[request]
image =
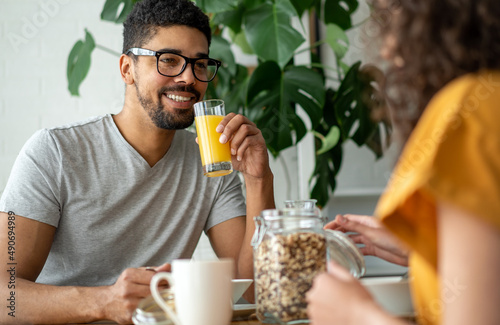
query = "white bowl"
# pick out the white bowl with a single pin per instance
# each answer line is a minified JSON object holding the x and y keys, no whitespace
{"x":392,"y":293}
{"x":239,"y":288}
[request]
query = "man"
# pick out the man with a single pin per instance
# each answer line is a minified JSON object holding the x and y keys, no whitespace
{"x":92,"y":204}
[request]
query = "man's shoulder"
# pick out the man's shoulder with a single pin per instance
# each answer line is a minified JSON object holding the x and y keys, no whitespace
{"x":53,"y":138}
{"x":89,"y":123}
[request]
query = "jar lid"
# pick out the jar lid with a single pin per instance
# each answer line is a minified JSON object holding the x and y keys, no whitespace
{"x":344,"y":251}
{"x":271,"y":213}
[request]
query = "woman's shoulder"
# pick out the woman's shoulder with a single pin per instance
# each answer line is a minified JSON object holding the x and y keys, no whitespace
{"x":469,"y":92}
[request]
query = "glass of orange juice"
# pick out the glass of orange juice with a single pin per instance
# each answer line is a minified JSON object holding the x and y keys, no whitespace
{"x":215,"y":156}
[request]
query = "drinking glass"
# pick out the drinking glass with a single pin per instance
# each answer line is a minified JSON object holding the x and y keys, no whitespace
{"x":215,"y":156}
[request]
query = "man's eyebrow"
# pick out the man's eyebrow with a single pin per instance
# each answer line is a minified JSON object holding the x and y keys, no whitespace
{"x":176,"y":51}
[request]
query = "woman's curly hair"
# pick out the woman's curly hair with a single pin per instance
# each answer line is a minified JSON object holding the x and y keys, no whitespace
{"x":430,"y":43}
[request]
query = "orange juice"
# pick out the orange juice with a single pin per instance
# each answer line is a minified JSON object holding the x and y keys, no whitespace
{"x":215,"y":156}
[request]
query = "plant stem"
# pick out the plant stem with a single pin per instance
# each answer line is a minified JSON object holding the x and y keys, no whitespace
{"x":308,"y":49}
{"x":287,"y":176}
{"x":319,"y":65}
{"x":105,"y":49}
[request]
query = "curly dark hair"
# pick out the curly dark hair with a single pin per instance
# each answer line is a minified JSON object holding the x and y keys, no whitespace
{"x":147,"y":15}
{"x":432,"y":42}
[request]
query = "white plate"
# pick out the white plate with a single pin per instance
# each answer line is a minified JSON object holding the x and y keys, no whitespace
{"x":243,"y":310}
{"x":239,"y":288}
{"x":392,"y":293}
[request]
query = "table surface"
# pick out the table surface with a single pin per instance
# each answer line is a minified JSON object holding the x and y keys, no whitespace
{"x":246,"y":322}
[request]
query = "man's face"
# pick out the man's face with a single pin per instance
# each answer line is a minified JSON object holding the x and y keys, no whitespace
{"x":169,"y":100}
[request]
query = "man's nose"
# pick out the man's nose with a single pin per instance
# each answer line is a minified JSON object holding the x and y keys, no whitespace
{"x":187,"y":76}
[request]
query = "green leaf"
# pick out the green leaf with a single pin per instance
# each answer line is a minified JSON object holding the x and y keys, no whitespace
{"x":272,"y":97}
{"x":339,"y":12}
{"x":252,"y":4}
{"x":232,"y":18}
{"x":241,"y":41}
{"x":231,"y":80}
{"x":323,"y":180}
{"x":353,"y":102}
{"x":346,"y":100}
{"x":302,"y":5}
{"x":111,"y":11}
{"x":79,"y":63}
{"x":220,"y":49}
{"x":328,"y":142}
{"x":338,"y":40}
{"x":231,"y":88}
{"x":215,"y":6}
{"x":306,"y":88}
{"x":270,"y":33}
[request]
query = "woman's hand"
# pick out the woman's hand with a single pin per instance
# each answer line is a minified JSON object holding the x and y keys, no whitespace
{"x":338,"y":298}
{"x":377,"y":240}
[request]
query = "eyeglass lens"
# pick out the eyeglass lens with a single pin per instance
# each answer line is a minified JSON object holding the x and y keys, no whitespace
{"x":170,"y":64}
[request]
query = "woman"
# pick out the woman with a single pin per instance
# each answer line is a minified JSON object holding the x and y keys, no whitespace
{"x":443,"y":200}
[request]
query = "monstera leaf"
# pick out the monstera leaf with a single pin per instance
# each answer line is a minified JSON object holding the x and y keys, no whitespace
{"x":302,"y":5}
{"x":347,"y":115}
{"x":79,"y":63}
{"x":216,"y":6}
{"x":111,"y":11}
{"x":338,"y":40}
{"x":271,"y":98}
{"x":339,"y":12}
{"x":270,"y":33}
{"x":231,"y":80}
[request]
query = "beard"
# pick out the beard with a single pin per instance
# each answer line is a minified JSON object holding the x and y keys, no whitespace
{"x":181,"y":119}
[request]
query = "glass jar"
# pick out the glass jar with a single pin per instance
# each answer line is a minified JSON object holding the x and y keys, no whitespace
{"x":308,"y":204}
{"x":290,"y":249}
{"x":301,"y":204}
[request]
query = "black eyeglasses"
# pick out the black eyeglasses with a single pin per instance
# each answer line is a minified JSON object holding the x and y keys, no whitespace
{"x":171,"y":64}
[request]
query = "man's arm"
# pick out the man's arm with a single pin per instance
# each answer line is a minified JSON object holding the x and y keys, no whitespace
{"x":31,"y":302}
{"x":249,"y":156}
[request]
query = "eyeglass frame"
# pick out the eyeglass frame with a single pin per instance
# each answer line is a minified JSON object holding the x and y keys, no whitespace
{"x":137,"y":51}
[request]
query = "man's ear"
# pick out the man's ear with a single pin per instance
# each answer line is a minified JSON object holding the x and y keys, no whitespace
{"x":126,"y":69}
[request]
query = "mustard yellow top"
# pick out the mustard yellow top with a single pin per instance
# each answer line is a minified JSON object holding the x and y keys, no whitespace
{"x":452,"y":156}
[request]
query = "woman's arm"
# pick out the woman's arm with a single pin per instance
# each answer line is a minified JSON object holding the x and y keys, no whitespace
{"x":469,"y":268}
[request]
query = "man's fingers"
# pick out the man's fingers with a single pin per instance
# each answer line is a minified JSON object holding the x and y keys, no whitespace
{"x":167,"y":267}
{"x":233,"y":124}
{"x":141,"y":276}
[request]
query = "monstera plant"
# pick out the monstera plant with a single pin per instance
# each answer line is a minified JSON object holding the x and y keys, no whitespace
{"x":272,"y":92}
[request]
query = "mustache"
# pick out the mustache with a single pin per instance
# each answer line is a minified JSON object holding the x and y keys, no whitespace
{"x":187,"y":89}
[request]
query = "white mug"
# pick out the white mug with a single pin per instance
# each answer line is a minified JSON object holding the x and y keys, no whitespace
{"x":202,"y":292}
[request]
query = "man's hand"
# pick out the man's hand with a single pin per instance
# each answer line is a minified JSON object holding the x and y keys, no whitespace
{"x":248,"y":147}
{"x":121,"y":299}
{"x":377,"y":240}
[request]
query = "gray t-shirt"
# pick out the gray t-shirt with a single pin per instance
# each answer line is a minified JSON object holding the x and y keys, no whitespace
{"x":111,"y":209}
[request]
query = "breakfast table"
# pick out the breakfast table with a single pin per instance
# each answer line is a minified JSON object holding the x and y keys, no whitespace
{"x":251,"y":321}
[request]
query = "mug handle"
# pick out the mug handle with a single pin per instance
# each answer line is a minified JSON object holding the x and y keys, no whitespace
{"x":157,"y":297}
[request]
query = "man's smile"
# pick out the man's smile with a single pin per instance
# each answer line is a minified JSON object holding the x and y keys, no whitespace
{"x":178,"y":98}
